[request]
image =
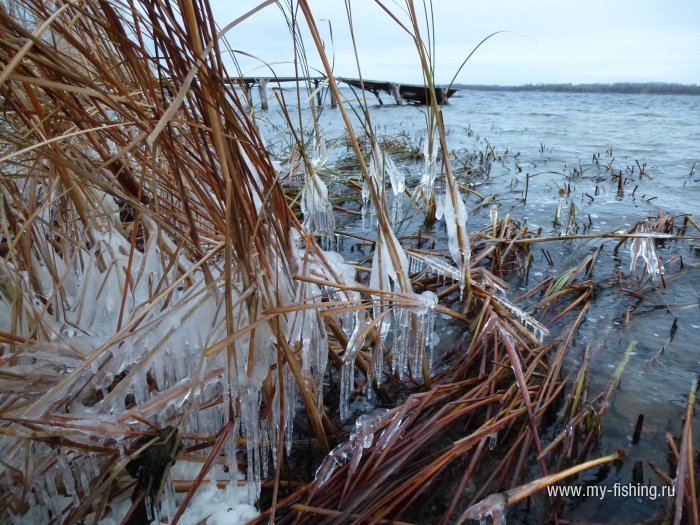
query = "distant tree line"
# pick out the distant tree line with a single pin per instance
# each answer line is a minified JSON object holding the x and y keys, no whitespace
{"x":626,"y":88}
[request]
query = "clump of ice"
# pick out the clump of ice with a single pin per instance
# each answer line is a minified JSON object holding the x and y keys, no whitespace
{"x":413,"y":336}
{"x":381,"y":167}
{"x":361,"y":437}
{"x":429,"y":172}
{"x":317,"y":209}
{"x":442,"y":269}
{"x":214,"y":506}
{"x":458,"y":240}
{"x":644,"y":246}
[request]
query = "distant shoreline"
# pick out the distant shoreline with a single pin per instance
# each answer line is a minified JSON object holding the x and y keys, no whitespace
{"x":622,"y":88}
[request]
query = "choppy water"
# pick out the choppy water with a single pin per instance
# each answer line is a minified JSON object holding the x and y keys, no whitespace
{"x":543,"y":137}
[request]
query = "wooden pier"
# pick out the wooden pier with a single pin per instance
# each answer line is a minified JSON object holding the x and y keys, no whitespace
{"x":402,"y":93}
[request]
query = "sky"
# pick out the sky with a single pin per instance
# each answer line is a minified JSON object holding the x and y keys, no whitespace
{"x":545,"y":41}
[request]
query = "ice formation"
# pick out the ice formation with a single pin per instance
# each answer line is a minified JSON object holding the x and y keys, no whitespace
{"x":361,"y":437}
{"x":489,"y":510}
{"x":317,"y":209}
{"x":413,"y":336}
{"x":320,"y":153}
{"x":429,"y":171}
{"x":568,"y":227}
{"x":442,"y":269}
{"x":458,"y":240}
{"x":157,"y":346}
{"x":381,"y":167}
{"x":644,"y":246}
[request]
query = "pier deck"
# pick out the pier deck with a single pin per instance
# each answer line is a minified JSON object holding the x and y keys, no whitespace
{"x":402,"y":93}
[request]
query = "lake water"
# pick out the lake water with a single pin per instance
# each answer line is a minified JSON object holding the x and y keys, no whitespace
{"x":578,"y":141}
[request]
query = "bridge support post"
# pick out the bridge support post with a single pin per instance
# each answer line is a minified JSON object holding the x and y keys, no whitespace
{"x":262,"y":89}
{"x":395,"y":90}
{"x":245,"y":88}
{"x":319,"y":99}
{"x":334,"y":102}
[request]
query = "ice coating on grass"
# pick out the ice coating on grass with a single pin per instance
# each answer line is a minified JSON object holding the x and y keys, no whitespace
{"x":525,"y":319}
{"x":489,"y":510}
{"x":387,"y":277}
{"x":458,"y":240}
{"x":387,"y":435}
{"x":429,"y":171}
{"x":382,"y":166}
{"x":413,"y":336}
{"x":355,"y":342}
{"x":569,"y":228}
{"x":397,"y":177}
{"x":316,"y":208}
{"x":336,"y":457}
{"x":347,"y":386}
{"x":439,"y":206}
{"x":559,"y":210}
{"x":361,"y":437}
{"x":443,"y":269}
{"x":645,"y":247}
{"x":156,"y":363}
{"x":384,"y":272}
{"x":320,"y":153}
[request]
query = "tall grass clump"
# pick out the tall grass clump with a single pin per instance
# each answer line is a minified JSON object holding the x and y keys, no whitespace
{"x":168,"y":298}
{"x":153,"y":271}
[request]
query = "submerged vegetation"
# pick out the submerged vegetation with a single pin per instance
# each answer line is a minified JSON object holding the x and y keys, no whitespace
{"x":180,"y":320}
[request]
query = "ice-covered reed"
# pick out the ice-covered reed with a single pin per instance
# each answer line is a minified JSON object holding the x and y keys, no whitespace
{"x":151,"y":276}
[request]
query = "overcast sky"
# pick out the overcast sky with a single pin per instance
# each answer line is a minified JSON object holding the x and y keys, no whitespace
{"x":574,"y":41}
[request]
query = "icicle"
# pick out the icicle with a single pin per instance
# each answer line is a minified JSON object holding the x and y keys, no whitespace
{"x":68,"y":479}
{"x":427,"y":326}
{"x":396,"y":210}
{"x":347,"y":385}
{"x":231,"y":461}
{"x":355,"y":343}
{"x":571,"y":220}
{"x":52,"y":491}
{"x":384,"y":273}
{"x":458,"y":240}
{"x":250,"y":406}
{"x":317,"y":209}
{"x":400,"y":348}
{"x":439,"y":206}
{"x":559,"y":210}
{"x":428,"y":177}
{"x":378,"y":360}
{"x":644,"y":246}
{"x":364,"y":213}
{"x":435,"y":266}
{"x":397,"y":178}
{"x":290,"y":395}
{"x":529,"y":322}
{"x":168,"y":504}
{"x":320,"y":153}
{"x":84,"y":481}
{"x":93,"y":462}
